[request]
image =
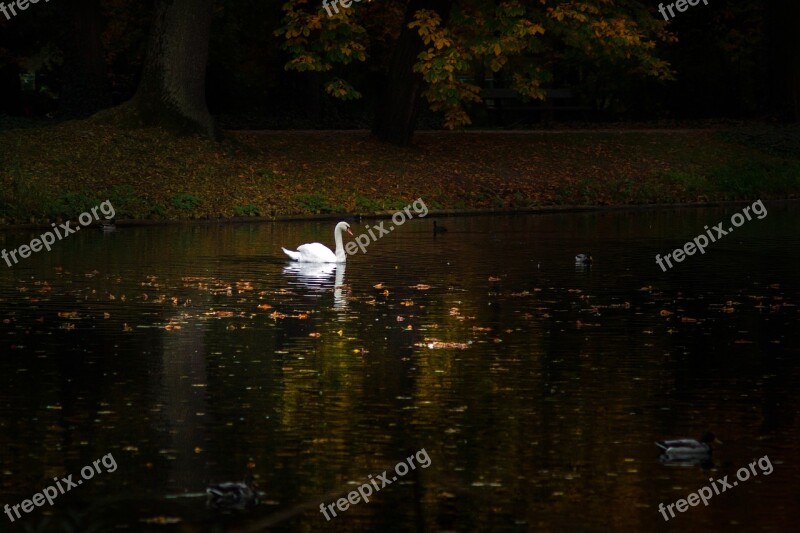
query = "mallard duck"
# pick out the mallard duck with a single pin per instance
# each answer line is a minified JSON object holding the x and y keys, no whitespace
{"x":233,"y":495}
{"x":583,"y":259}
{"x":438,"y":229}
{"x":108,"y":225}
{"x":688,"y":449}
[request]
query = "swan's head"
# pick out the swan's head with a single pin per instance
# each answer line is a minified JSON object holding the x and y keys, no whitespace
{"x":343,"y":226}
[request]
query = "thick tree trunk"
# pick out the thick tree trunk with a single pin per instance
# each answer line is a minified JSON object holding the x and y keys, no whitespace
{"x":399,"y":105}
{"x":84,"y":89}
{"x":782,"y":60}
{"x":172,"y":91}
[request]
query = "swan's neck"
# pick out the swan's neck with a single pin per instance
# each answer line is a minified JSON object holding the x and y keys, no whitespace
{"x":337,"y":237}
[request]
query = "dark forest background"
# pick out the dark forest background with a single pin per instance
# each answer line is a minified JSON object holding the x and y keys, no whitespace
{"x":729,"y":60}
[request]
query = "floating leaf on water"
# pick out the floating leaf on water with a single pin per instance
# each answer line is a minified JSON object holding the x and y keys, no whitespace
{"x":378,"y":286}
{"x":434,"y":344}
{"x":494,"y":278}
{"x":315,"y":334}
{"x":664,"y":312}
{"x":162,"y":520}
{"x":265,"y":306}
{"x":420,"y":287}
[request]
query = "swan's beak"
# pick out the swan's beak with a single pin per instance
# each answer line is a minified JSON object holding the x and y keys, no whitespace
{"x":350,"y":232}
{"x":717,"y":441}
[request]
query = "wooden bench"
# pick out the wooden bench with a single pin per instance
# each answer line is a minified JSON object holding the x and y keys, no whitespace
{"x":500,"y":101}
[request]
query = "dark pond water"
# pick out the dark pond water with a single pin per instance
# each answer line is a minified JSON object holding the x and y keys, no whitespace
{"x":536,"y":388}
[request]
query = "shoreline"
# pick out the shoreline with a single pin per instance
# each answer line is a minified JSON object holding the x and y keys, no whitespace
{"x":153,"y":177}
{"x":441,"y":213}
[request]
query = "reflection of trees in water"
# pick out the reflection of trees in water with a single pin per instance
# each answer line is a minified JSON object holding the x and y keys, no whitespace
{"x":184,"y":408}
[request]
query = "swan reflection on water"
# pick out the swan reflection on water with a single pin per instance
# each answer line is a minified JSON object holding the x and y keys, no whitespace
{"x":319,"y":276}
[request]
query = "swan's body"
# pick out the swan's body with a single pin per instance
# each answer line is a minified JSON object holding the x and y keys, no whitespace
{"x":319,"y":253}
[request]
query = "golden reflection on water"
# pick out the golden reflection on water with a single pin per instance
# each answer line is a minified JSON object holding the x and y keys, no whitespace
{"x":197,"y":354}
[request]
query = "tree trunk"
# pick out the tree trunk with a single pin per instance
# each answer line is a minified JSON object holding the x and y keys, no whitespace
{"x":399,"y":105}
{"x":782,"y":60}
{"x":172,"y":92}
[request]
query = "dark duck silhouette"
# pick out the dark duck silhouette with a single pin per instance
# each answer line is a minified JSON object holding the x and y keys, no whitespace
{"x":233,"y":495}
{"x":437,"y":229}
{"x":688,"y":450}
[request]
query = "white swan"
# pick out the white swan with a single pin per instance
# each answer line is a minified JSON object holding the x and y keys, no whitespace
{"x":319,"y":253}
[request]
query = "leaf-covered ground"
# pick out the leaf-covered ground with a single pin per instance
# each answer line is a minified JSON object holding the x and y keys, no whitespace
{"x":59,"y":171}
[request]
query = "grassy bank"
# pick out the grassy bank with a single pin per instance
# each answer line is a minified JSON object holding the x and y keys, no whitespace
{"x":59,"y":171}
